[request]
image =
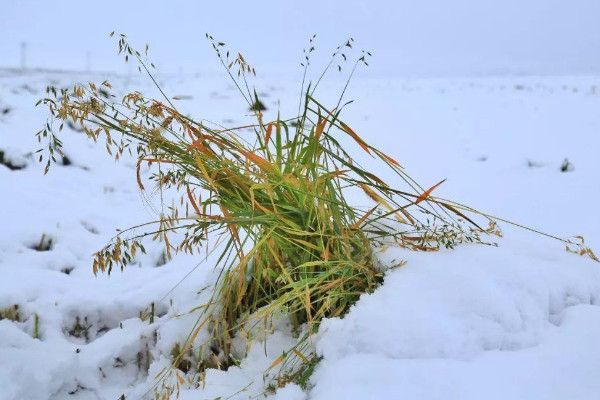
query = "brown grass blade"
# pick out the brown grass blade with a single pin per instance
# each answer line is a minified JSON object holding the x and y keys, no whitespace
{"x":363,"y":218}
{"x":354,"y":136}
{"x":428,"y":192}
{"x":192,"y":201}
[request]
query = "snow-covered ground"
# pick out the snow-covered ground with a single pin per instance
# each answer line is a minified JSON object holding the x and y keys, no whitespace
{"x":517,"y":321}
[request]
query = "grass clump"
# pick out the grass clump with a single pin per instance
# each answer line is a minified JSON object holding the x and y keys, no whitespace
{"x":11,"y":313}
{"x":81,"y":329}
{"x":276,"y":200}
{"x":45,"y":243}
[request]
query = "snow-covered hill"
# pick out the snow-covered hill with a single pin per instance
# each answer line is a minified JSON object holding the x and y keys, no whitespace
{"x":517,"y":321}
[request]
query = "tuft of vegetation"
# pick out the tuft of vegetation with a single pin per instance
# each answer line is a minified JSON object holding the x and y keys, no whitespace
{"x":45,"y":244}
{"x":36,"y":326}
{"x":67,"y":270}
{"x":11,"y":313}
{"x":566,"y":166}
{"x":183,"y":362}
{"x":143,"y":358}
{"x":81,"y":329}
{"x":148,"y":314}
{"x":66,"y":161}
{"x":275,"y":201}
{"x":162,"y":259}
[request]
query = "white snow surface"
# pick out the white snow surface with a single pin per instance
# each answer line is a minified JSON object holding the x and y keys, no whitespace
{"x":517,"y":321}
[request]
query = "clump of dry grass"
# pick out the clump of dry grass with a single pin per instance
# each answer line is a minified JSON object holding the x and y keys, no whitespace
{"x":277,"y":202}
{"x":11,"y":313}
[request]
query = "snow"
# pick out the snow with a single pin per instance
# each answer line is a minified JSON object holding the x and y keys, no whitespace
{"x":517,"y":321}
{"x":469,"y":325}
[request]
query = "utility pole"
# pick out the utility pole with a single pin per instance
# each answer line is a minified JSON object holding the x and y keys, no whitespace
{"x":23,"y":56}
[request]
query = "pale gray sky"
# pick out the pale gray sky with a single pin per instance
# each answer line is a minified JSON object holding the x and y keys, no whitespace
{"x":405,"y":36}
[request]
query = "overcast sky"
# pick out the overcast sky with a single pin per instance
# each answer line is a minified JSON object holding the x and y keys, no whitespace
{"x":423,"y":37}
